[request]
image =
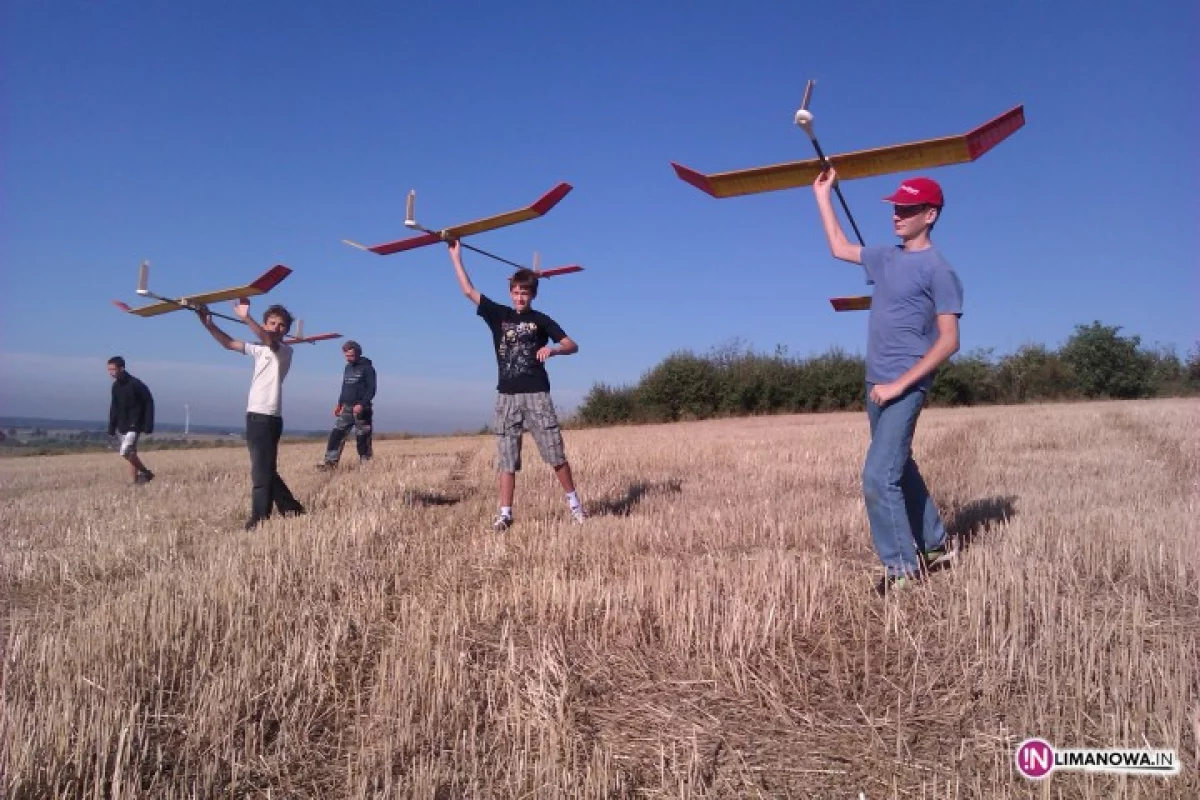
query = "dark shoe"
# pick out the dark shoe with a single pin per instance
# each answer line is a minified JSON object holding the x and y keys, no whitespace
{"x":252,"y":523}
{"x":327,"y":466}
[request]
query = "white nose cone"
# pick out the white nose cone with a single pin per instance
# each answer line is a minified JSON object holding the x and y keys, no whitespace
{"x":804,"y":118}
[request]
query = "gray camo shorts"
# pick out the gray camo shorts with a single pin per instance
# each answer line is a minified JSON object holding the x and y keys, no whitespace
{"x":533,"y":412}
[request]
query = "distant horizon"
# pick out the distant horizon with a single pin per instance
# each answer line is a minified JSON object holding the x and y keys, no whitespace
{"x":468,"y":408}
{"x":55,"y":423}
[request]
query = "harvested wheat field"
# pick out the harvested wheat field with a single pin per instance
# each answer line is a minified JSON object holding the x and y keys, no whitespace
{"x":710,"y":632}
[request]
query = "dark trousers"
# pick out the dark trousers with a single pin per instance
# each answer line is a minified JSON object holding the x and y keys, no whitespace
{"x":341,"y":429}
{"x":262,"y":437}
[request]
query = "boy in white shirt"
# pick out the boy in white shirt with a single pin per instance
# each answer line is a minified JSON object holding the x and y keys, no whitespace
{"x":264,"y":411}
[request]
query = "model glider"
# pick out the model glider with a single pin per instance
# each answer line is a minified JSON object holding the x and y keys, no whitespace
{"x":195,"y":302}
{"x":925,"y":154}
{"x":919,"y":155}
{"x":428,"y":236}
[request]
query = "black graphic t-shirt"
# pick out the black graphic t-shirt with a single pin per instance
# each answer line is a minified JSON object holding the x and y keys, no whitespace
{"x":517,"y":338}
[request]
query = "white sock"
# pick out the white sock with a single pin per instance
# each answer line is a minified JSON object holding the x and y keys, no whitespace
{"x":573,"y":499}
{"x":506,"y":512}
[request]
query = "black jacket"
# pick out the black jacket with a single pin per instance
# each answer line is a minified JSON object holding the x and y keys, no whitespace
{"x":358,"y":383}
{"x":132,"y":407}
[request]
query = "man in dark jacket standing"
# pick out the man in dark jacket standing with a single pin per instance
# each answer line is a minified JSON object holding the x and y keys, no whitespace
{"x":130,"y":414}
{"x":353,"y":408}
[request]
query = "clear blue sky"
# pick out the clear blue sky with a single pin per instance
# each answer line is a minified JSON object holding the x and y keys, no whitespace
{"x":216,"y":139}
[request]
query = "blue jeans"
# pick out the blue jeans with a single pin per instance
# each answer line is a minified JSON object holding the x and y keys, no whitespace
{"x":903,"y":516}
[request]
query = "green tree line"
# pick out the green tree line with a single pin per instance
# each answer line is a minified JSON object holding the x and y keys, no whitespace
{"x":1096,"y":361}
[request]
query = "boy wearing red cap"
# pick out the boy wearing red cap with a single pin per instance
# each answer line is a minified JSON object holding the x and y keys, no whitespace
{"x":912,"y":330}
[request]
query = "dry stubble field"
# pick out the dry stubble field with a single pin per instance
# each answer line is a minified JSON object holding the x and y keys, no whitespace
{"x":711,"y":632}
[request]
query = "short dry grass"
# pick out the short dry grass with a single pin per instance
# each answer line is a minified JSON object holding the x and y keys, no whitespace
{"x":710,"y":632}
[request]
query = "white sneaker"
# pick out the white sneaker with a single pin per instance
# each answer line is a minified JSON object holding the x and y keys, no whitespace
{"x":579,"y":514}
{"x":501,"y":523}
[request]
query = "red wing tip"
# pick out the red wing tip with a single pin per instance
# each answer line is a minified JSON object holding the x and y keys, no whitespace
{"x":995,"y":131}
{"x":697,"y":179}
{"x":123,"y":306}
{"x":1014,"y":117}
{"x":271,"y":278}
{"x":1015,"y":111}
{"x":550,"y":199}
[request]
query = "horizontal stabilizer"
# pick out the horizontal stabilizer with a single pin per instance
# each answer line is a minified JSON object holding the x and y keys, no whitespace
{"x":862,"y":303}
{"x":316,"y":337}
{"x":550,"y":273}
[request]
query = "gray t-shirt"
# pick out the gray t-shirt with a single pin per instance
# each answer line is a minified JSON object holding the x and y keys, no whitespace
{"x":911,"y":289}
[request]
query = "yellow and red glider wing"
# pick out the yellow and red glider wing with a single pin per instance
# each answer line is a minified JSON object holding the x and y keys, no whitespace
{"x":152,"y":310}
{"x":543,"y":204}
{"x":924,"y":154}
{"x":398,"y":246}
{"x":752,"y":181}
{"x":862,"y":303}
{"x":537,"y":209}
{"x":263,"y":284}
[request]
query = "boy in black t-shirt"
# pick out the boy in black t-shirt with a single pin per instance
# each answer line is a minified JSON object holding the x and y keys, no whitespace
{"x":521,"y":336}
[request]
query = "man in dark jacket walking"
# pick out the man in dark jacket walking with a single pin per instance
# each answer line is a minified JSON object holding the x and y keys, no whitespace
{"x":130,"y":414}
{"x":353,"y":408}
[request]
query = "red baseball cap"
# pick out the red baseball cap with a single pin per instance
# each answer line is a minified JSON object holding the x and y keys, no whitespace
{"x":917,"y":192}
